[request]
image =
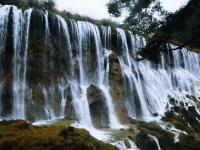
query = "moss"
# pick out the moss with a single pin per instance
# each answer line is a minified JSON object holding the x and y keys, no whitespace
{"x":49,"y":138}
{"x":182,"y":118}
{"x":165,"y":138}
{"x":144,"y":142}
{"x":178,"y":122}
{"x":189,"y":142}
{"x":123,"y":135}
{"x":66,"y":122}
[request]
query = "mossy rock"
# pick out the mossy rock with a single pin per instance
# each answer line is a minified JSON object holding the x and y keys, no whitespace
{"x":189,"y":142}
{"x":53,"y":137}
{"x":165,"y":138}
{"x":181,"y":118}
{"x":98,"y":107}
{"x":144,"y":142}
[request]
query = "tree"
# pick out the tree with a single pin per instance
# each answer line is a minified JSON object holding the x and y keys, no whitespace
{"x":40,"y":4}
{"x":49,"y":4}
{"x":145,"y":16}
{"x":181,"y":28}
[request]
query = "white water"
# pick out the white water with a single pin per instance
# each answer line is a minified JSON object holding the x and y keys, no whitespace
{"x":154,"y":85}
{"x":122,"y":146}
{"x":156,"y":140}
{"x":63,"y":25}
{"x":48,"y":108}
{"x":99,"y":77}
{"x":62,"y":89}
{"x":21,"y":36}
{"x":133,"y":84}
{"x":147,"y":87}
{"x":173,"y":130}
{"x":4,"y":11}
{"x":104,"y":84}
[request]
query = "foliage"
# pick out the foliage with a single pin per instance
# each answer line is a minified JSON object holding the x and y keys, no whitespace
{"x":50,"y":6}
{"x":68,"y":15}
{"x":149,"y":19}
{"x":144,"y":16}
{"x":40,"y":4}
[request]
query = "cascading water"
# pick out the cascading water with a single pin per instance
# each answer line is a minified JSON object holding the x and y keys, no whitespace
{"x":74,"y":56}
{"x":104,"y":83}
{"x":143,"y":80}
{"x":3,"y":27}
{"x":4,"y":11}
{"x":136,"y":102}
{"x":99,"y":77}
{"x":21,"y":36}
{"x":157,"y":143}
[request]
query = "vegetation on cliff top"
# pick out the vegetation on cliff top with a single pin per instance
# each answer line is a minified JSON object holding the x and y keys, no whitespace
{"x":50,"y":6}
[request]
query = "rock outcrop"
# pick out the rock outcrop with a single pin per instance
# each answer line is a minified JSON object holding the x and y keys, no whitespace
{"x":98,"y":107}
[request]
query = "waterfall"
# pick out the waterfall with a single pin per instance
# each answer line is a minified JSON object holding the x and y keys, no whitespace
{"x":104,"y":84}
{"x":76,"y":55}
{"x":174,"y":82}
{"x":48,"y":109}
{"x":148,"y":87}
{"x":122,"y":146}
{"x":21,"y":36}
{"x":63,"y":25}
{"x":89,"y":40}
{"x":136,"y":101}
{"x":4,"y":11}
{"x":62,"y":89}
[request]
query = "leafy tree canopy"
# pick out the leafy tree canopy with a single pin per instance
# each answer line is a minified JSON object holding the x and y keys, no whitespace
{"x":148,"y":18}
{"x":145,"y":16}
{"x":40,"y":4}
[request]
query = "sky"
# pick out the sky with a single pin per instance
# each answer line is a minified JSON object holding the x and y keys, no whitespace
{"x":97,"y":8}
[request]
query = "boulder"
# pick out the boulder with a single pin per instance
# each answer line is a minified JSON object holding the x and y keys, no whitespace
{"x":98,"y":107}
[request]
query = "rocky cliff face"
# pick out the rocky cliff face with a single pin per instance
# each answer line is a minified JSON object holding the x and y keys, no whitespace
{"x":56,"y":53}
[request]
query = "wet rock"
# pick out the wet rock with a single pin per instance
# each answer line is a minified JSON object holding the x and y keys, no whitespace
{"x":6,"y":97}
{"x":195,"y":99}
{"x":6,"y":65}
{"x":36,"y":52}
{"x":98,"y":107}
{"x":155,"y":114}
{"x":42,"y":102}
{"x":172,"y":101}
{"x":34,"y":103}
{"x":128,"y":146}
{"x":144,"y":142}
{"x":114,"y":44}
{"x":66,"y":132}
{"x":21,"y":125}
{"x":189,"y":142}
{"x":165,"y":138}
{"x":178,"y":122}
{"x":183,"y":116}
{"x":117,"y":89}
{"x":69,"y":111}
